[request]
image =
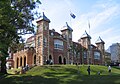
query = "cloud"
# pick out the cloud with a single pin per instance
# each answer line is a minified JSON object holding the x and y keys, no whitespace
{"x":100,"y":15}
{"x":98,"y":21}
{"x":103,"y":17}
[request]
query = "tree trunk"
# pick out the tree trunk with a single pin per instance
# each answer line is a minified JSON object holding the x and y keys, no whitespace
{"x":3,"y":65}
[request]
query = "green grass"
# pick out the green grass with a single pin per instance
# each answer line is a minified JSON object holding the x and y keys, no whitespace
{"x":64,"y":74}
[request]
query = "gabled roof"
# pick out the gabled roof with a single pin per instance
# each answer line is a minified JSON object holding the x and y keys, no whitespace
{"x":85,"y":35}
{"x":54,"y":33}
{"x":30,"y":39}
{"x":43,"y":17}
{"x":66,"y":27}
{"x":99,"y":40}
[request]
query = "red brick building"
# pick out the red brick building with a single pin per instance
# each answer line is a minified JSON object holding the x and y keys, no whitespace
{"x":50,"y":45}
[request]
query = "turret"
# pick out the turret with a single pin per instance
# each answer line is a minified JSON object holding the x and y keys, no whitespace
{"x":100,"y":45}
{"x":85,"y":40}
{"x":67,"y":34}
{"x":42,"y":39}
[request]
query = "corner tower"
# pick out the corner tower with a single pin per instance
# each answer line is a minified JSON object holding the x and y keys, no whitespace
{"x":67,"y":34}
{"x":42,"y":39}
{"x":85,"y":40}
{"x":100,"y":45}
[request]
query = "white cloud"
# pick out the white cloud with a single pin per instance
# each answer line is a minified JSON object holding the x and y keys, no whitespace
{"x":100,"y":15}
{"x":98,"y":20}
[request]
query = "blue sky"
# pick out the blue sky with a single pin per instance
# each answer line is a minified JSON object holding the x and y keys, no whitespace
{"x":103,"y":15}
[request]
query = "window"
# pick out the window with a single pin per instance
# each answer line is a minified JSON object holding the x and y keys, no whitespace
{"x":45,"y":41}
{"x":38,"y":41}
{"x":45,"y":27}
{"x":97,"y":55}
{"x":70,"y":35}
{"x":85,"y":54}
{"x":52,"y":34}
{"x":84,"y":43}
{"x":58,"y":44}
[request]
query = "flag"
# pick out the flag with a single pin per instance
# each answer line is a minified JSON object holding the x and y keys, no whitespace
{"x":72,"y":15}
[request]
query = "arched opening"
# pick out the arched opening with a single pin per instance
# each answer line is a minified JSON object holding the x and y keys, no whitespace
{"x":39,"y":59}
{"x":64,"y":60}
{"x":17,"y":62}
{"x":50,"y":57}
{"x":21,"y":61}
{"x":24,"y":61}
{"x":34,"y":59}
{"x":60,"y":60}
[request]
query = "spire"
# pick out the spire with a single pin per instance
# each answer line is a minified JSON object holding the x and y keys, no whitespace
{"x":86,"y":35}
{"x":66,"y":27}
{"x":99,"y":40}
{"x":43,"y":17}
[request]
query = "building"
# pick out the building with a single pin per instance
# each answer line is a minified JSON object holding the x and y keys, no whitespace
{"x":115,"y":52}
{"x":49,"y":45}
{"x":107,"y":58}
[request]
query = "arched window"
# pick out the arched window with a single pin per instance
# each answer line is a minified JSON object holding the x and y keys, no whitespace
{"x":50,"y":57}
{"x":64,"y":61}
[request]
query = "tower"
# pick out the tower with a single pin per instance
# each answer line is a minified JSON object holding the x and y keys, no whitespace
{"x":85,"y":41}
{"x":42,"y":39}
{"x":67,"y":34}
{"x":100,"y":45}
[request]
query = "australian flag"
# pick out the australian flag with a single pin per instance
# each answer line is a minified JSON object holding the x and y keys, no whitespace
{"x":72,"y":15}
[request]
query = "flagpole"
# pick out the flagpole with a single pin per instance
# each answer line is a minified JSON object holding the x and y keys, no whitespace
{"x":89,"y":26}
{"x":69,"y":61}
{"x":90,"y":43}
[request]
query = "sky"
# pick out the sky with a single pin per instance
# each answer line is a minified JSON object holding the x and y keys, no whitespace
{"x":103,"y":16}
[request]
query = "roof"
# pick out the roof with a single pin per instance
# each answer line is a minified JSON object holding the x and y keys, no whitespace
{"x":86,"y":35}
{"x":66,"y":27}
{"x":30,"y":39}
{"x":56,"y":34}
{"x":99,"y":40}
{"x":43,"y":17}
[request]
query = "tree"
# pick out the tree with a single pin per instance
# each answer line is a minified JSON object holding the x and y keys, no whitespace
{"x":16,"y":18}
{"x":76,"y":50}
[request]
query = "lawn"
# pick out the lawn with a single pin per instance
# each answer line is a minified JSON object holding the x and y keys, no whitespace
{"x":65,"y":74}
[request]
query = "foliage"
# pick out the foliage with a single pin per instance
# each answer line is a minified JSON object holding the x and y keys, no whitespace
{"x":76,"y":50}
{"x":16,"y":18}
